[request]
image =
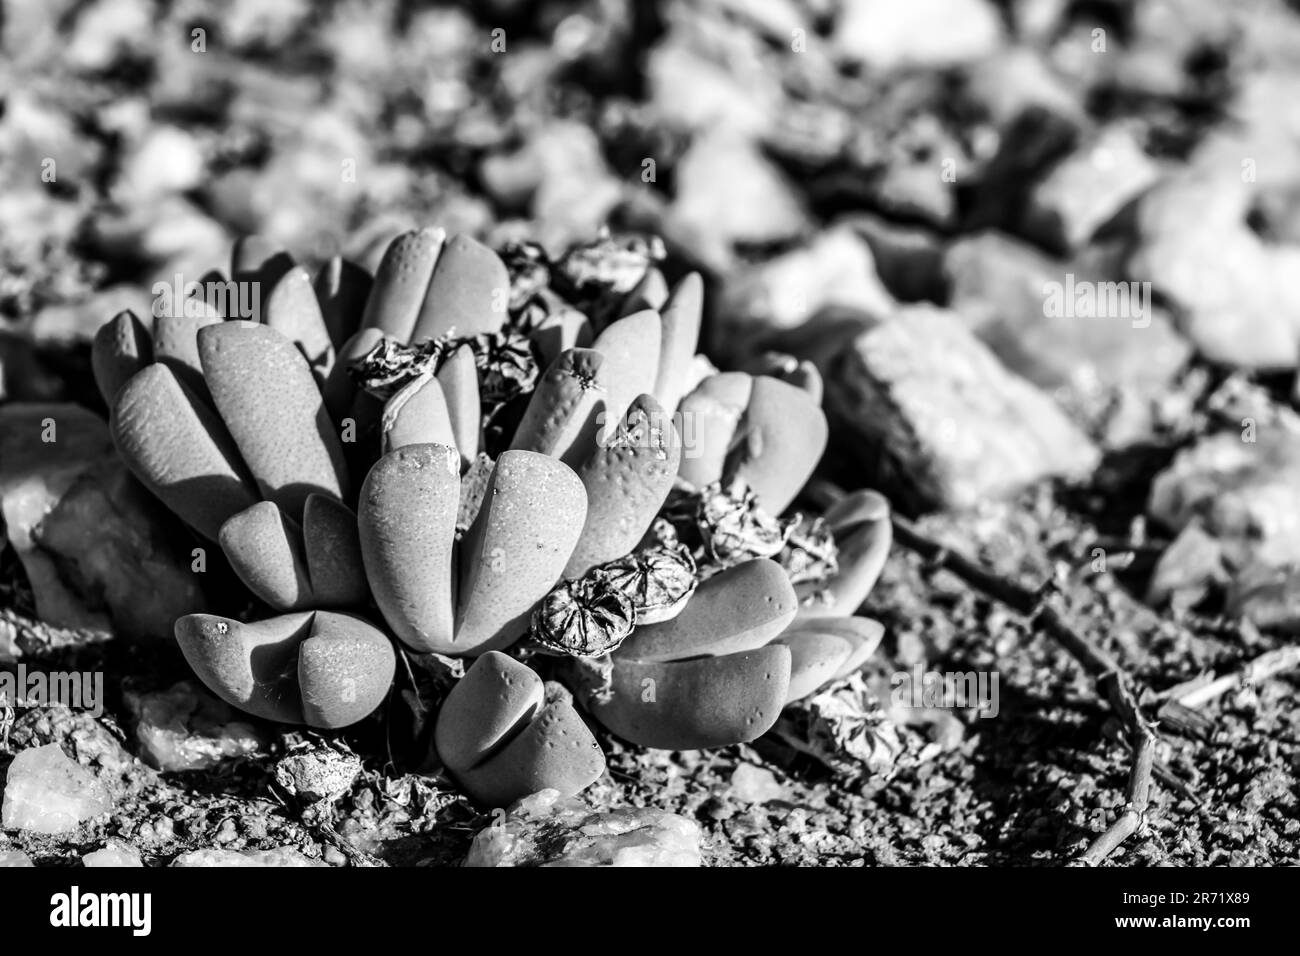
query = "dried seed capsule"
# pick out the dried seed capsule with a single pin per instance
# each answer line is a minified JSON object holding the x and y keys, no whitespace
{"x":583,"y":618}
{"x":658,"y":580}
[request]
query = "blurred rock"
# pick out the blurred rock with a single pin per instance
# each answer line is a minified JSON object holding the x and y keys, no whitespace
{"x":1188,"y":568}
{"x":1017,"y":79}
{"x":709,"y":75}
{"x":1267,"y":596}
{"x":1063,"y":326}
{"x":120,"y":550}
{"x":1197,"y":251}
{"x":15,"y":858}
{"x":23,"y":378}
{"x":45,"y":792}
{"x":167,"y":160}
{"x":108,"y":30}
{"x":80,"y":734}
{"x":729,"y":194}
{"x":546,"y":829}
{"x":935,"y":418}
{"x":575,"y":190}
{"x":885,"y":35}
{"x":279,"y":856}
{"x":75,"y":322}
{"x":35,"y":473}
{"x":909,"y":259}
{"x":783,"y":293}
{"x":318,"y":775}
{"x":751,"y":784}
{"x":1086,"y":189}
{"x":186,"y":728}
{"x":1246,"y":494}
{"x":114,"y":855}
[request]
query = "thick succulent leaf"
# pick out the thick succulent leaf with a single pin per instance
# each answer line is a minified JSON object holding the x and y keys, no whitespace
{"x":417,"y":414}
{"x":469,"y":293}
{"x":555,"y":751}
{"x":707,"y":419}
{"x":122,"y":347}
{"x":458,"y":377}
{"x":627,"y":479}
{"x":699,"y":703}
{"x":738,"y":609}
{"x":681,"y":336}
{"x":494,"y":701}
{"x":345,"y":669}
{"x":293,"y":310}
{"x":180,"y":450}
{"x":333,"y":547}
{"x":266,"y":395}
{"x":779,"y":442}
{"x":176,"y":345}
{"x":863,"y":535}
{"x":253,"y":667}
{"x":861,"y":633}
{"x":402,"y":283}
{"x":631,"y":348}
{"x":342,"y":288}
{"x":564,"y":415}
{"x":516,"y":549}
{"x":265,"y":548}
{"x":406,"y":517}
{"x":815,"y":658}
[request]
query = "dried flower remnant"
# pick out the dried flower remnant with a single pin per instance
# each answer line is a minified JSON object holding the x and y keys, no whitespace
{"x":810,"y":554}
{"x":735,"y":528}
{"x":597,"y":276}
{"x":530,"y":272}
{"x":504,"y":361}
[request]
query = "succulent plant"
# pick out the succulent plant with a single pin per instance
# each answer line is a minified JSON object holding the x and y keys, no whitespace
{"x":468,"y":466}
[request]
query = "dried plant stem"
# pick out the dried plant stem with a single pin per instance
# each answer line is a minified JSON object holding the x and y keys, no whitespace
{"x":1112,"y":682}
{"x":1041,"y":608}
{"x":1267,"y":665}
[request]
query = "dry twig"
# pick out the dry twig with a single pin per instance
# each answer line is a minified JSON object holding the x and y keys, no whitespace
{"x":1041,"y":607}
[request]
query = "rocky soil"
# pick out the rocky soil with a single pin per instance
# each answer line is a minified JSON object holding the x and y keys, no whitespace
{"x":1043,"y":254}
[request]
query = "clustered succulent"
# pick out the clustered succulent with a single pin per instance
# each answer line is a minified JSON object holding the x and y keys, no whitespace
{"x":497,"y":458}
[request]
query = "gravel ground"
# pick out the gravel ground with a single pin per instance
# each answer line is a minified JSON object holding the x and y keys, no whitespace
{"x":814,"y":195}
